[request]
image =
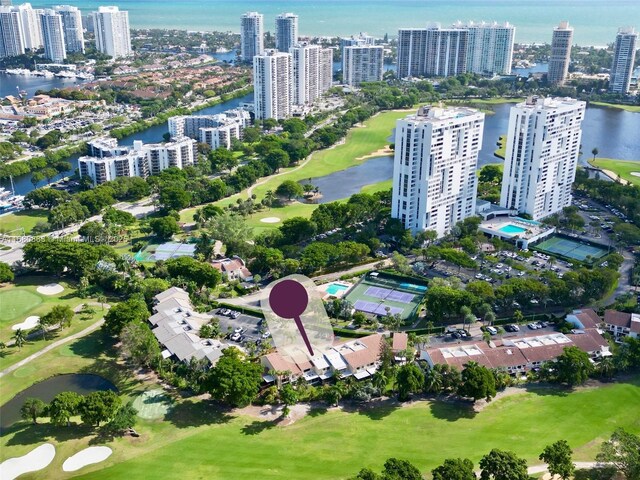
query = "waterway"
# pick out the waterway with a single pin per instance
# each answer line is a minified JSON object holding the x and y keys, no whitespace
{"x":81,"y":383}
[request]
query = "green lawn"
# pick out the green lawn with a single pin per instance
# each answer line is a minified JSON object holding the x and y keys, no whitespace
{"x":16,"y":302}
{"x":26,"y":219}
{"x":619,"y":167}
{"x":501,"y":151}
{"x":197,"y":442}
{"x":628,"y":108}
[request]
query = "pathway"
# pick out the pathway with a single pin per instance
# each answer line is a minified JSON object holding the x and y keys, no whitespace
{"x":50,"y":347}
{"x":579,"y":466}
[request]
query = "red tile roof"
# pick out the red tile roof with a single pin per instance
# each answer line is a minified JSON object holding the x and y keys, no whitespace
{"x":620,"y":319}
{"x":400,"y":341}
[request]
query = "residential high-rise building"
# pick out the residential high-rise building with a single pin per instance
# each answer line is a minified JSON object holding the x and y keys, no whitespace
{"x":433,"y":51}
{"x":543,"y":144}
{"x":31,"y":26}
{"x":53,"y":36}
{"x":360,"y":40}
{"x":251,"y":35}
{"x":306,"y":79}
{"x":362,"y":64}
{"x":286,"y":31}
{"x":272,"y":78}
{"x":111,"y":26}
{"x":412,"y":55}
{"x":11,"y":36}
{"x":624,"y":55}
{"x":72,"y":24}
{"x":215,"y":130}
{"x":489,"y":47}
{"x":326,"y":69}
{"x":434,"y":170}
{"x":560,"y":54}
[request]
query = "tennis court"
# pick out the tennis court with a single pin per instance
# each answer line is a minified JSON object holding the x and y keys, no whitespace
{"x":377,"y":294}
{"x":153,"y":252}
{"x":569,"y":248}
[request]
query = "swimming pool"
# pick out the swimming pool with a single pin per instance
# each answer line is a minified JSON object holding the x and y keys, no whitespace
{"x":512,"y":229}
{"x":335,"y":288}
{"x":411,"y":286}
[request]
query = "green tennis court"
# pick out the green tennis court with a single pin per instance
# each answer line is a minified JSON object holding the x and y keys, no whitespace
{"x":569,"y":248}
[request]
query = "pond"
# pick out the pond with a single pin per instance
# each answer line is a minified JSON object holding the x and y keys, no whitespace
{"x":82,"y":383}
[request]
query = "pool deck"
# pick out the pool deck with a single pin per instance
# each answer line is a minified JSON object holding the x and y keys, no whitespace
{"x":532,"y":231}
{"x":323,"y":289}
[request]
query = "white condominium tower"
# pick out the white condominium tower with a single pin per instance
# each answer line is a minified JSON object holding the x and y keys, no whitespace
{"x":624,"y":55}
{"x":434,"y":170}
{"x":560,"y":54}
{"x":489,"y":47}
{"x":306,"y":82}
{"x":72,"y":25}
{"x":31,"y":26}
{"x":286,"y":31}
{"x":113,"y":37}
{"x":53,"y":36}
{"x":272,"y":75}
{"x":11,"y":37}
{"x":251,"y":35}
{"x":326,"y":69}
{"x":362,"y":64}
{"x":543,"y":144}
{"x":412,"y":52}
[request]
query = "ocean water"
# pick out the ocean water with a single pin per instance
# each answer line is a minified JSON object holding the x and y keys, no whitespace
{"x":595,"y":21}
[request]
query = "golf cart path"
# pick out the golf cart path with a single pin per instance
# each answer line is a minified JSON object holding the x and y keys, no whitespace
{"x":53,"y":345}
{"x":579,"y":466}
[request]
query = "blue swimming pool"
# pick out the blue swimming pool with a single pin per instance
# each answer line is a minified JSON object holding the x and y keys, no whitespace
{"x":335,"y":288}
{"x":512,"y":229}
{"x":411,"y":286}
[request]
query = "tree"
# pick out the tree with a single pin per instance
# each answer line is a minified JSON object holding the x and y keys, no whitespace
{"x":395,"y":469}
{"x":100,"y":406}
{"x":124,"y":419}
{"x":400,"y":263}
{"x":6,"y":275}
{"x":234,"y":380}
{"x":477,"y":382}
{"x":164,"y":227}
{"x":123,"y":313}
{"x":297,"y":229}
{"x":289,"y":189}
{"x":409,"y":379}
{"x":174,"y":197}
{"x":454,"y":469}
{"x":573,"y":367}
{"x":234,"y":232}
{"x":32,"y":409}
{"x":558,"y":457}
{"x":59,"y":315}
{"x":139,"y":344}
{"x":42,"y":326}
{"x":289,"y":397}
{"x":594,"y":152}
{"x":503,"y":465}
{"x":201,"y":273}
{"x":623,"y":451}
{"x":64,"y":406}
{"x":19,"y":338}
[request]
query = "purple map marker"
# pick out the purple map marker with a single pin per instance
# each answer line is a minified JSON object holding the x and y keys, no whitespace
{"x":289,"y":299}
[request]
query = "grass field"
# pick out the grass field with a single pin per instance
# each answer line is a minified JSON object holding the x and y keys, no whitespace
{"x":26,"y":219}
{"x":624,"y":168}
{"x":501,"y":151}
{"x":628,"y":108}
{"x":197,"y":442}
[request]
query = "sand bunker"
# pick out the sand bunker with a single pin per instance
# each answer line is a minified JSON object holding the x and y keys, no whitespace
{"x":35,"y":460}
{"x":635,"y":174}
{"x":50,"y":289}
{"x":28,"y":323}
{"x":85,"y":457}
{"x":270,"y":220}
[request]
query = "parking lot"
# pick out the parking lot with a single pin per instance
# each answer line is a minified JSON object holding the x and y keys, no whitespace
{"x":449,"y":338}
{"x":251,"y":327}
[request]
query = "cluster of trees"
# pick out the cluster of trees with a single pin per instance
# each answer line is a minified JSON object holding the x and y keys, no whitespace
{"x":46,"y":166}
{"x":75,"y":259}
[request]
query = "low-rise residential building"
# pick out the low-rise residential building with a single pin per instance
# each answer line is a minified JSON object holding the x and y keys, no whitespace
{"x":518,"y":355}
{"x":400,"y":342}
{"x":233,"y":269}
{"x":176,"y":325}
{"x":358,"y":358}
{"x":214,"y":130}
{"x":622,"y":324}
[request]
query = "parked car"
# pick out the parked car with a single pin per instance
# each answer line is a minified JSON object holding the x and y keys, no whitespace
{"x":492,"y":330}
{"x":512,"y":328}
{"x":533,"y":326}
{"x":235,"y":337}
{"x":238,"y":330}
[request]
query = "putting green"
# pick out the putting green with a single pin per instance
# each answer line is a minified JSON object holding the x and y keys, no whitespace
{"x":16,"y":302}
{"x":24,"y":372}
{"x":153,"y":404}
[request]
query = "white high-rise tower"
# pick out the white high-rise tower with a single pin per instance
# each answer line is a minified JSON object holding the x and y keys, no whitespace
{"x":489,"y":47}
{"x":251,"y":35}
{"x":31,"y":26}
{"x":11,"y":36}
{"x":286,"y":31}
{"x":72,"y":24}
{"x":53,"y":36}
{"x":543,"y":144}
{"x":362,"y":63}
{"x":624,"y":55}
{"x":434,"y":170}
{"x":272,"y":74}
{"x":306,"y":73}
{"x":111,"y":27}
{"x":560,"y":54}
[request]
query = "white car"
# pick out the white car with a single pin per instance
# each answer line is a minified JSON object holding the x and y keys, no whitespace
{"x":533,"y":326}
{"x":266,"y":335}
{"x":235,"y":337}
{"x":238,"y":330}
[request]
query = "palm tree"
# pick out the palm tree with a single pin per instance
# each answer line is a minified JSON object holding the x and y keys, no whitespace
{"x":379,"y":381}
{"x":595,"y":153}
{"x":607,"y":368}
{"x":43,"y":326}
{"x":486,"y":336}
{"x":19,"y":338}
{"x":100,"y":298}
{"x":433,"y":381}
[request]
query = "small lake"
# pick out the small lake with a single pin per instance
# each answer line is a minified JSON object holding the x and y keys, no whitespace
{"x":82,"y":383}
{"x":346,"y":182}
